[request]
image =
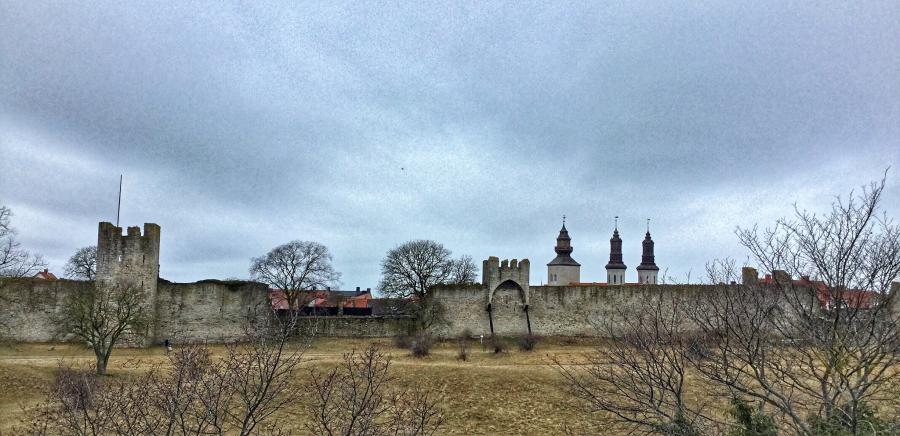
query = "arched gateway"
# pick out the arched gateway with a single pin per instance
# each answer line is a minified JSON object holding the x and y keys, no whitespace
{"x":507,"y":290}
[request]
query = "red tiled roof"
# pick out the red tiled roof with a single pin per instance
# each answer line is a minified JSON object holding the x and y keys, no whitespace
{"x":46,"y":275}
{"x":850,"y":298}
{"x":321,"y":298}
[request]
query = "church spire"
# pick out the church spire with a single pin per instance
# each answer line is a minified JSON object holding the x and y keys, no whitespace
{"x":615,"y":269}
{"x":563,"y":241}
{"x":647,"y":270}
{"x":563,"y":270}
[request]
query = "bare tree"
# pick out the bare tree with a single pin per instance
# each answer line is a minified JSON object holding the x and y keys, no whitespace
{"x":15,"y":261}
{"x":815,"y":345}
{"x":259,"y":373}
{"x":410,"y":269}
{"x":294,"y":268}
{"x":354,"y":399}
{"x":821,"y":352}
{"x":637,"y":382}
{"x":195,"y":394}
{"x":102,"y":315}
{"x":83,"y":264}
{"x":463,"y":270}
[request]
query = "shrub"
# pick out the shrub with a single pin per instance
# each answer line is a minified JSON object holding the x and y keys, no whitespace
{"x":497,"y":344}
{"x":867,"y":422}
{"x":462,"y":343}
{"x":402,"y":341}
{"x":750,"y":422}
{"x":527,"y":342}
{"x":75,"y":388}
{"x":421,"y":345}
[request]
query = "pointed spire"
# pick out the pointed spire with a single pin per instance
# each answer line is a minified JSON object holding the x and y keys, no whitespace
{"x":563,"y":241}
{"x":648,"y":260}
{"x":563,"y":248}
{"x":615,"y":249}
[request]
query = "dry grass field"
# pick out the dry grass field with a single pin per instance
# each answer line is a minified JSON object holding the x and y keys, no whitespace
{"x":508,"y":393}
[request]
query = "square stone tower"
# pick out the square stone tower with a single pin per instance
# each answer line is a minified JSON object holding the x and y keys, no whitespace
{"x":129,"y":260}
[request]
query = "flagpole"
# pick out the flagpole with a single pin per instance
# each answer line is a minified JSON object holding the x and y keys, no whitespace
{"x":119,"y":206}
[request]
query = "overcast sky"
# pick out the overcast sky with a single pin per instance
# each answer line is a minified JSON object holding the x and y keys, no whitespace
{"x":240,"y":127}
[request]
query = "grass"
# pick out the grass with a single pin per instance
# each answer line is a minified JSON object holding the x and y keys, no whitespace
{"x":507,"y":393}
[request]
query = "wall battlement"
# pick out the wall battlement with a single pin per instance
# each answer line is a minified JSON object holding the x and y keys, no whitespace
{"x":132,"y":257}
{"x":509,"y":272}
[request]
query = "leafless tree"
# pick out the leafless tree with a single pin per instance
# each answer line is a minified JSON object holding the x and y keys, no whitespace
{"x":637,"y":381}
{"x":816,"y":345}
{"x":464,"y":270}
{"x":410,"y":269}
{"x":355,"y":399}
{"x":83,"y":264}
{"x":294,"y":268}
{"x":195,"y":394}
{"x":822,"y":352}
{"x":15,"y":261}
{"x":102,"y":315}
{"x":259,"y":373}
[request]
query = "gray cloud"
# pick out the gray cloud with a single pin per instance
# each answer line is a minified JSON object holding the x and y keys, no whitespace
{"x":239,"y":127}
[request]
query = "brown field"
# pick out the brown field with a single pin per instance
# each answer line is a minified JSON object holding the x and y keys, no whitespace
{"x":509,"y":393}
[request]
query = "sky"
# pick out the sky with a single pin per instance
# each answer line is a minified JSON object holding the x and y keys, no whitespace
{"x":240,"y":126}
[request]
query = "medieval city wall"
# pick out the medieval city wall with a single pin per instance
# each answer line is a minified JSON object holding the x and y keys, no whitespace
{"x":31,"y":309}
{"x":553,"y":310}
{"x":214,"y":311}
{"x":356,"y":326}
{"x":209,"y":310}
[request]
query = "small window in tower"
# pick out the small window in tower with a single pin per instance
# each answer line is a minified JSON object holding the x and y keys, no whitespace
{"x":120,"y":258}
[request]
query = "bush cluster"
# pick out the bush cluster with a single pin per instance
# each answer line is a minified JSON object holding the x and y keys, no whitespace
{"x":528,"y":342}
{"x":421,"y":345}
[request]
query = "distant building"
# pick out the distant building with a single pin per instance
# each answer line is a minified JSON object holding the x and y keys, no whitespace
{"x":563,"y":270}
{"x":324,"y":299}
{"x":45,"y":275}
{"x":828,"y":299}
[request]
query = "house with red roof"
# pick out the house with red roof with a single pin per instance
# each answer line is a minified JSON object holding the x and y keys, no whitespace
{"x":828,"y":299}
{"x":45,"y":275}
{"x":325,"y":299}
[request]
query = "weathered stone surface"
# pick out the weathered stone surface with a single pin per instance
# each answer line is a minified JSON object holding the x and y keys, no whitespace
{"x":31,"y":309}
{"x":212,"y":311}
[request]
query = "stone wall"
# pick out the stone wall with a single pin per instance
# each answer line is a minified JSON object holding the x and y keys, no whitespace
{"x":357,"y":326}
{"x":31,"y":309}
{"x":552,"y":310}
{"x":210,"y":310}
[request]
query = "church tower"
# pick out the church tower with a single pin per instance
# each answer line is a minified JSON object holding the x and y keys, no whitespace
{"x":615,"y":269}
{"x":647,"y":270}
{"x":563,"y":270}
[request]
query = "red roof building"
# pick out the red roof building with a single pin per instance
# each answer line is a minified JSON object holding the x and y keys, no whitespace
{"x":45,"y":275}
{"x":828,"y":298}
{"x":323,"y":299}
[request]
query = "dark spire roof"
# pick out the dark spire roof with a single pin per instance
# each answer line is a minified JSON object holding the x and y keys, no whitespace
{"x":648,"y":260}
{"x":615,"y":250}
{"x":563,"y":248}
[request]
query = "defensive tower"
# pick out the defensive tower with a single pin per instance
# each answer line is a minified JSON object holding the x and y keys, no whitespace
{"x":563,"y":270}
{"x":495,"y":273}
{"x":508,"y":293}
{"x":130,"y":261}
